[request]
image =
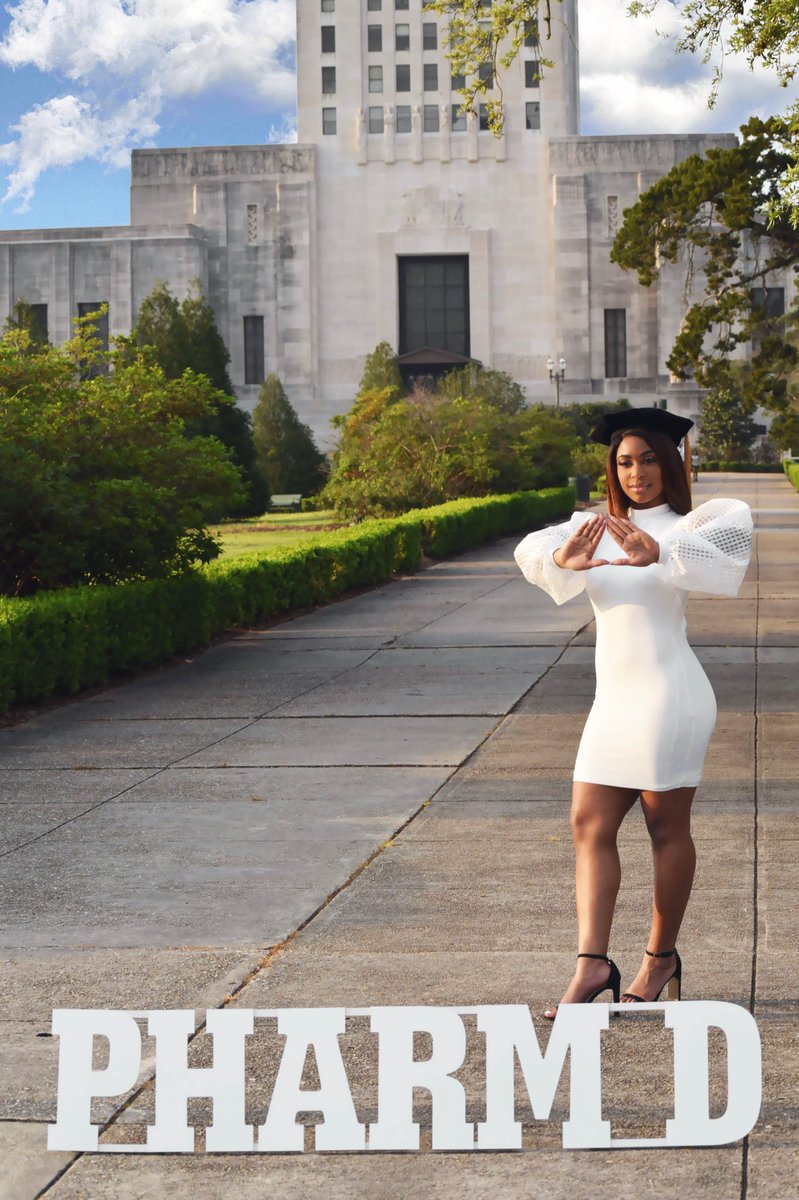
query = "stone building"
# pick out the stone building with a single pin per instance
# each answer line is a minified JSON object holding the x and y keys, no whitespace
{"x":395,"y":217}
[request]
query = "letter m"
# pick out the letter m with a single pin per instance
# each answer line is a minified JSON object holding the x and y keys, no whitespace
{"x":509,"y":1034}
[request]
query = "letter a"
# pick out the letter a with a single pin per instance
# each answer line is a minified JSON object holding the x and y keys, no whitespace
{"x":317,"y":1027}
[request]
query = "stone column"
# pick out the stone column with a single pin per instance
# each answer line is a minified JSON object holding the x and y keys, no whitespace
{"x":472,"y":130}
{"x":388,"y":134}
{"x":416,"y":133}
{"x":444,"y":133}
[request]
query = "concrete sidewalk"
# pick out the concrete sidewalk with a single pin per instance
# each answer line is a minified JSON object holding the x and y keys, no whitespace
{"x":161,"y":841}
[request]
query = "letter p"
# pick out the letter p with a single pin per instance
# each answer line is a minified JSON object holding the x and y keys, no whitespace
{"x":78,"y":1082}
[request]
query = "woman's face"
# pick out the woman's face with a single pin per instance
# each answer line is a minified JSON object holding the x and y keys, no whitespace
{"x":639,"y":473}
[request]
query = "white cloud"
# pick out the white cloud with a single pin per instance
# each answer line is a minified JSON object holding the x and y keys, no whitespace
{"x":284,"y":132}
{"x":124,"y":60}
{"x":632,"y":79}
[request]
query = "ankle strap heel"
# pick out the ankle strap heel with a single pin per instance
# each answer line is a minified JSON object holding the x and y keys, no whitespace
{"x":673,"y":984}
{"x":612,"y":983}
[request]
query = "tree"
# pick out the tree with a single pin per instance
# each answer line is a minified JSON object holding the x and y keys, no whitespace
{"x":495,"y":387}
{"x":727,"y":426}
{"x":784,"y":431}
{"x":712,"y":209}
{"x":395,"y":454}
{"x":102,"y":480}
{"x":381,"y":370}
{"x":23,"y":316}
{"x":286,"y":451}
{"x":183,"y":335}
{"x":484,"y":40}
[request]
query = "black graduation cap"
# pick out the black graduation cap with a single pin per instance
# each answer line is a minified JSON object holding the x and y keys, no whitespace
{"x":641,"y":418}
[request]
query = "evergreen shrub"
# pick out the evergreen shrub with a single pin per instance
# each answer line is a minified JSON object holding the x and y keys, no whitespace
{"x":741,"y":468}
{"x":62,"y":641}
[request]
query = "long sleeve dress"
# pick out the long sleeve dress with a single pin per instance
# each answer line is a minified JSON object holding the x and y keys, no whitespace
{"x":654,"y":709}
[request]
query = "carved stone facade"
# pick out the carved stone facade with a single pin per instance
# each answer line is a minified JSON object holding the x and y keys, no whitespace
{"x":299,"y":248}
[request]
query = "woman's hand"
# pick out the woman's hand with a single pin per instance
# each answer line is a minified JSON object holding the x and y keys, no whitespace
{"x":641,"y":549}
{"x":577,"y":554}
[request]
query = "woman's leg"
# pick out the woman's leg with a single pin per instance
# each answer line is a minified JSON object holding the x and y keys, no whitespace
{"x":597,"y":812}
{"x":668,"y":819}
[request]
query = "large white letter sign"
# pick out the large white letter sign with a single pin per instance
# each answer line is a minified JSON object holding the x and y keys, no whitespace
{"x":302,"y":1028}
{"x":509,"y":1031}
{"x":78,"y":1082}
{"x":176,"y":1080}
{"x":692,"y":1124}
{"x":399,"y":1073}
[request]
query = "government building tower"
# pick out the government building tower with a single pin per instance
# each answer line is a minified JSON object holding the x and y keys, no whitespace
{"x":398,"y":218}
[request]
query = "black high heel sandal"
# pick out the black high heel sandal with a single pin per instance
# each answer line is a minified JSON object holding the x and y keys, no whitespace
{"x":612,"y":983}
{"x":673,"y":984}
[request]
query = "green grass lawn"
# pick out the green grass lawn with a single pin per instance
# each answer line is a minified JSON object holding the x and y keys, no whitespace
{"x":272,"y":529}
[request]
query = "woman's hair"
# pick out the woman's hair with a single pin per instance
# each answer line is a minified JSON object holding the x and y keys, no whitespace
{"x":675,"y":480}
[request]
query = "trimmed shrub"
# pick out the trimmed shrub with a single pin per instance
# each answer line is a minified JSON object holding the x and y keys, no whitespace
{"x":792,"y":471}
{"x":62,"y":641}
{"x":741,"y":468}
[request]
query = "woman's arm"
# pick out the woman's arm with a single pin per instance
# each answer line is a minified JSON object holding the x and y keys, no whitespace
{"x":535,"y":556}
{"x":708,"y":550}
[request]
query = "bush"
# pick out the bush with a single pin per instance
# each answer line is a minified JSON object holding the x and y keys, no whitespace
{"x":63,"y":641}
{"x":792,"y":471}
{"x":741,"y":467}
{"x":400,"y":453}
{"x":101,"y":479}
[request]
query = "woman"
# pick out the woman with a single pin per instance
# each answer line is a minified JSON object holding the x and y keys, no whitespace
{"x":654,"y":710}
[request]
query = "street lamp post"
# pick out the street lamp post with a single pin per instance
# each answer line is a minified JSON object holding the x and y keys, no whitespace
{"x":555,"y":376}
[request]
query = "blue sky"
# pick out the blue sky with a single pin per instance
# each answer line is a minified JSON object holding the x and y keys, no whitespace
{"x":82,"y":82}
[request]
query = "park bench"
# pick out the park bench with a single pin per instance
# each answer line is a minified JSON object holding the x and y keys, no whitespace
{"x":291,"y":502}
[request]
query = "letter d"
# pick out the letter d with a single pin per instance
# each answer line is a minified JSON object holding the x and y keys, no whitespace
{"x":692,"y":1124}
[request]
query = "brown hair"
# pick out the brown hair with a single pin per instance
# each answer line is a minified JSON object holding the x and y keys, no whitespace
{"x":675,"y":480}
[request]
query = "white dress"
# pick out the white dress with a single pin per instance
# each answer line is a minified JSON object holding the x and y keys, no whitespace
{"x":654,"y":709}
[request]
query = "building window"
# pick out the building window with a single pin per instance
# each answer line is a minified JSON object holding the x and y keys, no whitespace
{"x":532,"y":114}
{"x":483,"y":113}
{"x":430,"y":77}
{"x":403,"y":77}
{"x":253,"y":350}
{"x":485,"y":73}
{"x":771,"y":300}
{"x":530,"y":33}
{"x":374,"y":5}
{"x":328,"y":5}
{"x":328,"y":39}
{"x":532,"y":73}
{"x":375,"y":79}
{"x":403,"y":118}
{"x":615,"y":343}
{"x":431,"y":118}
{"x":429,"y":35}
{"x":328,"y":81}
{"x":401,"y":4}
{"x":328,"y":120}
{"x":85,"y":309}
{"x":376,"y":118}
{"x":458,"y":83}
{"x":458,"y":118}
{"x":374,"y":37}
{"x":252,"y":224}
{"x":434,"y":303}
{"x":402,"y":37}
{"x":39,"y":315}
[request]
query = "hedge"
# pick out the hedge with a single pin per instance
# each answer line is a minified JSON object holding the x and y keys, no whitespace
{"x":792,"y":471}
{"x":742,"y":467}
{"x":62,"y":641}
